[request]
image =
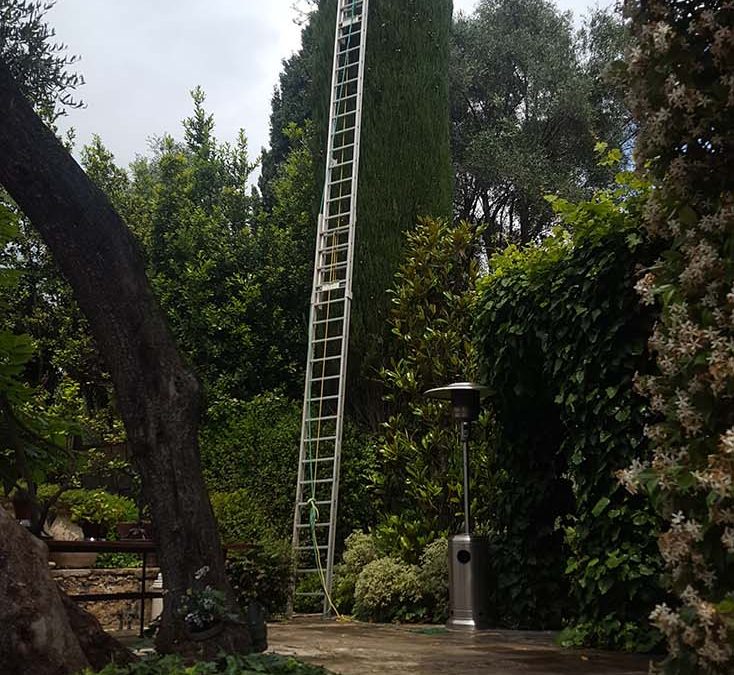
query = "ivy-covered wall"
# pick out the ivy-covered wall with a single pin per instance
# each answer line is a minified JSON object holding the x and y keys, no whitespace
{"x":405,"y":167}
{"x":560,"y":335}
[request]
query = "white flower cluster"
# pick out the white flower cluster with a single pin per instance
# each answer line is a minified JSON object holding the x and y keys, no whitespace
{"x":680,"y":73}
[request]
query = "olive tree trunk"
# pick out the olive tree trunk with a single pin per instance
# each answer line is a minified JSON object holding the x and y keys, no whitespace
{"x":158,"y":397}
{"x":43,"y":631}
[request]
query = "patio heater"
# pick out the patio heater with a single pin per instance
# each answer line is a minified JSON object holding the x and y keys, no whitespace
{"x":468,"y":553}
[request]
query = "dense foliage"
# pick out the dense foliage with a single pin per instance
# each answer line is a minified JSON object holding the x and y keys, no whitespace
{"x":680,"y":75}
{"x":252,"y":447}
{"x":41,"y":66}
{"x":226,"y":665}
{"x":376,"y":585}
{"x":405,"y":165}
{"x":529,"y":101}
{"x":418,"y":477}
{"x":560,"y":336}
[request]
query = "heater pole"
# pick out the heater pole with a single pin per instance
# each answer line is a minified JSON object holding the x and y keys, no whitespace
{"x":465,"y":428}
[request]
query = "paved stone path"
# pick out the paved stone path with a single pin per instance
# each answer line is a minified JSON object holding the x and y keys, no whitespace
{"x":354,"y":648}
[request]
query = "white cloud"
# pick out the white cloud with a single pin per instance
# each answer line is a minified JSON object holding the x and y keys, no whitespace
{"x":141,"y":58}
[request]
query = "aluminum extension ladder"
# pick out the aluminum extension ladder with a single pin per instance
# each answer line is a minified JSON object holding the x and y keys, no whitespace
{"x":314,"y":522}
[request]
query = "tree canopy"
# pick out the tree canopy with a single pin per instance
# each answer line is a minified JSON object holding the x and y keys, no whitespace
{"x":529,"y":104}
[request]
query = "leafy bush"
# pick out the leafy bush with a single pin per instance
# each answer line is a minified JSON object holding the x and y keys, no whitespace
{"x":93,"y":506}
{"x":561,"y":335}
{"x":117,"y":560}
{"x":387,"y":589}
{"x":262,"y":574}
{"x":358,"y":552}
{"x":419,"y":476}
{"x":433,"y":579}
{"x":250,"y":664}
{"x":253,"y":445}
{"x":377,"y":587}
{"x":240,"y":517}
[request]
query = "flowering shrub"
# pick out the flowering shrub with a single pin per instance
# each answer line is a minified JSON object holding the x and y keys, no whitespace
{"x":680,"y":75}
{"x":202,"y":608}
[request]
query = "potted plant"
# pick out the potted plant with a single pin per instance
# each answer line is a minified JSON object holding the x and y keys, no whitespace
{"x":204,"y":610}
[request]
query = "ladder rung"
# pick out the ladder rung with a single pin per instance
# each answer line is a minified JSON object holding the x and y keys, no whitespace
{"x":319,"y":322}
{"x":331,"y":200}
{"x":306,"y":594}
{"x":325,"y":417}
{"x":334,"y":267}
{"x":349,"y":22}
{"x":339,"y":229}
{"x":349,"y":112}
{"x":329,"y":284}
{"x":330,"y":301}
{"x":328,"y":339}
{"x":351,"y":80}
{"x":320,"y":547}
{"x":321,"y":503}
{"x":329,"y":250}
{"x":305,"y":525}
{"x":341,"y":214}
{"x":327,"y":377}
{"x":348,"y":179}
{"x":314,"y":460}
{"x":339,"y":148}
{"x":349,"y":161}
{"x":318,"y":480}
{"x":316,"y":399}
{"x":341,"y":99}
{"x":320,"y":438}
{"x":341,"y":52}
{"x":326,"y":358}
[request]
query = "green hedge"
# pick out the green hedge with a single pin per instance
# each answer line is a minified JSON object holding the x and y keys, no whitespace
{"x":561,"y":334}
{"x":253,"y":446}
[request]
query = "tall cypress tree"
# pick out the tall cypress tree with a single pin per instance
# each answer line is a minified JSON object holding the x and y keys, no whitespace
{"x":405,"y":167}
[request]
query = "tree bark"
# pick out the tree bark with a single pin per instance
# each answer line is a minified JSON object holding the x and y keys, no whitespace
{"x":157,"y":396}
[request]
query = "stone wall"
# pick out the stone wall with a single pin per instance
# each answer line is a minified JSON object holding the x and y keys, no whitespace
{"x":113,"y":615}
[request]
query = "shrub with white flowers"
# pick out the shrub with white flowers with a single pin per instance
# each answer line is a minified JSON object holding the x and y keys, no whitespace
{"x":680,"y":75}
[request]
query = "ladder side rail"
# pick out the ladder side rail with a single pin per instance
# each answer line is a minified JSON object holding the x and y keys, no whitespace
{"x":312,"y":313}
{"x":347,"y":313}
{"x":340,"y":106}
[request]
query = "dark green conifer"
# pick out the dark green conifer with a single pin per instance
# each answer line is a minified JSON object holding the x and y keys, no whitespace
{"x":405,"y":168}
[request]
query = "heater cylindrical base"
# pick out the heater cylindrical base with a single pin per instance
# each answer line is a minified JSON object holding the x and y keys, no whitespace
{"x":468,"y":582}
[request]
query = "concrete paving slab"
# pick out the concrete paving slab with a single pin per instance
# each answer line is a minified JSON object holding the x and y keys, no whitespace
{"x":353,"y":648}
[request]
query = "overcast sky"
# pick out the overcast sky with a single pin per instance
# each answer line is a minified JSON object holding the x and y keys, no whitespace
{"x":140,"y":59}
